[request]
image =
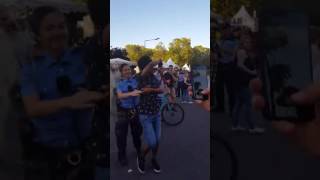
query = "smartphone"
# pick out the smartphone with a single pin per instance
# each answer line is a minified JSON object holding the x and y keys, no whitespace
{"x":286,"y":64}
{"x":200,"y":82}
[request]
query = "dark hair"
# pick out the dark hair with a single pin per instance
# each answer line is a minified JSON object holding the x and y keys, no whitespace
{"x":38,"y":15}
{"x":122,"y":66}
{"x":99,"y":12}
{"x":143,"y":62}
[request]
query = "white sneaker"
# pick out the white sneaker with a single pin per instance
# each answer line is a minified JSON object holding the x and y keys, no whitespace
{"x":238,"y":128}
{"x":190,"y":102}
{"x":257,"y":130}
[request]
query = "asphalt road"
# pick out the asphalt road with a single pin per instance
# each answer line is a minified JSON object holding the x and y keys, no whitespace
{"x":184,"y":151}
{"x":261,"y":157}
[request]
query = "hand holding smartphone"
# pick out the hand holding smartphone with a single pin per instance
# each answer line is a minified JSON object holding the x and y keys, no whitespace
{"x":286,"y":65}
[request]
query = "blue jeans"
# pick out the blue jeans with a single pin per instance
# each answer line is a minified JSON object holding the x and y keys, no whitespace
{"x":151,"y":129}
{"x":184,"y":94}
{"x":164,"y":101}
{"x":242,"y":110}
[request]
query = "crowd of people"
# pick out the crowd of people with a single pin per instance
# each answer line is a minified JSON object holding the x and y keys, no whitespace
{"x":140,"y":99}
{"x":49,"y":122}
{"x":236,"y":53}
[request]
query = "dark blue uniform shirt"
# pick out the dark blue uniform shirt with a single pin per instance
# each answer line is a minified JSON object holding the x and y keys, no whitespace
{"x":67,"y":127}
{"x":124,"y":87}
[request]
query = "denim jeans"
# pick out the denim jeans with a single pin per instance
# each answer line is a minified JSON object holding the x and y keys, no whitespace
{"x":243,"y":108}
{"x":184,"y":94}
{"x":151,"y":129}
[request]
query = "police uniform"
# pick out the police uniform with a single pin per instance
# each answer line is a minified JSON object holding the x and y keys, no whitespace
{"x":128,"y":115}
{"x":66,"y":129}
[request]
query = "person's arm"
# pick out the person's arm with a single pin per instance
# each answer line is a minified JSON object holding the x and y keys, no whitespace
{"x":204,"y":104}
{"x":175,"y":78}
{"x":186,"y":82}
{"x":122,"y":95}
{"x":304,"y":134}
{"x":152,"y":90}
{"x":36,"y":108}
{"x":82,"y":100}
{"x":155,"y":88}
{"x":241,"y":57}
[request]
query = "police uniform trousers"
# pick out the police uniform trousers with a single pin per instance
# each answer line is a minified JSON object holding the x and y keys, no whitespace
{"x":126,"y":118}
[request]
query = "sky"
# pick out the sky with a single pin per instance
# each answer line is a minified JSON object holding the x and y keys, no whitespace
{"x":134,"y":21}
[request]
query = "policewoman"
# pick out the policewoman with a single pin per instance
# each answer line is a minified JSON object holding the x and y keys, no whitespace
{"x":59,"y":111}
{"x":128,"y":96}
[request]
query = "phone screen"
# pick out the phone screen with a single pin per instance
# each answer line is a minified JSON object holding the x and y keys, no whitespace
{"x":288,"y":66}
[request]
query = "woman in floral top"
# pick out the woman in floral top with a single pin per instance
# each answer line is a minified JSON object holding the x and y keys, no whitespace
{"x":149,"y":112}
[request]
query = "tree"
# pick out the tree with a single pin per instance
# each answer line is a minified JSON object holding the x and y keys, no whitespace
{"x":180,"y":51}
{"x":135,"y":52}
{"x":200,"y":56}
{"x":160,"y":52}
{"x":118,"y":53}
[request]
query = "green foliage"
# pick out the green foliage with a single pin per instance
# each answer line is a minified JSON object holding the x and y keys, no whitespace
{"x":160,"y":52}
{"x":135,"y":52}
{"x":180,"y":51}
{"x":118,"y":53}
{"x":200,"y":56}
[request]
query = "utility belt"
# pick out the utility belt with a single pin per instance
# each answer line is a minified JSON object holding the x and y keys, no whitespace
{"x":131,"y":113}
{"x":58,"y":159}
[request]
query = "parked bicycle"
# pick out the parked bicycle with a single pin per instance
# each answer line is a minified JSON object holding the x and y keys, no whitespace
{"x":219,"y":145}
{"x":172,"y":114}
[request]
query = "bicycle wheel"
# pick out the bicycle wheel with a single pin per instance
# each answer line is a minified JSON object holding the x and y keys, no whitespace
{"x":172,"y":114}
{"x":224,"y":162}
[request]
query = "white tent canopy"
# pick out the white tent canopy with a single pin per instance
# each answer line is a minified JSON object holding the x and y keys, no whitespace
{"x":120,"y":61}
{"x":168,"y":63}
{"x":243,"y":18}
{"x":116,"y":62}
{"x":186,"y":67}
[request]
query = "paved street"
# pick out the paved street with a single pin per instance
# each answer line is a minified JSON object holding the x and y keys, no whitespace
{"x":262,"y":157}
{"x":184,"y":151}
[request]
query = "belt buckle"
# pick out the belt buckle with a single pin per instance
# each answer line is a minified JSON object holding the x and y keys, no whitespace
{"x":132,"y":113}
{"x":74,"y":158}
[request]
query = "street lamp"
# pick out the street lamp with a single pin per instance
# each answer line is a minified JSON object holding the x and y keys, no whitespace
{"x":150,"y":40}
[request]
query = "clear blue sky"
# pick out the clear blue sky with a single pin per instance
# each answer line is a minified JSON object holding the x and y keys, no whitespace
{"x":133,"y":21}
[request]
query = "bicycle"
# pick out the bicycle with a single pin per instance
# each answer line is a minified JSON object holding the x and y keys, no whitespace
{"x":220,"y":142}
{"x":172,"y":114}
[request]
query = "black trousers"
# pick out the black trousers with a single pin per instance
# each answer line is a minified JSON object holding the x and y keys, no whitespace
{"x":180,"y":89}
{"x":225,"y":79}
{"x":47,"y":164}
{"x":122,"y":125}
